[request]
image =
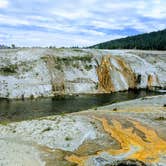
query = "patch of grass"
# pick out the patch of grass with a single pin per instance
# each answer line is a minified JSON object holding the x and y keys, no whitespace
{"x":88,"y":67}
{"x":95,"y":108}
{"x":14,"y":131}
{"x":160,"y":118}
{"x":73,"y":61}
{"x":58,"y":67}
{"x":93,"y":123}
{"x":10,"y":69}
{"x":69,"y":59}
{"x":4,"y":123}
{"x":115,"y":109}
{"x":44,"y":58}
{"x":97,"y":86}
{"x":62,"y":114}
{"x":47,"y":129}
{"x":77,"y":50}
{"x":31,"y":96}
{"x":68,"y":138}
{"x":76,"y":65}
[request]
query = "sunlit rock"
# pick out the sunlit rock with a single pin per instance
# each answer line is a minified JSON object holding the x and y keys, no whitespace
{"x":41,"y":72}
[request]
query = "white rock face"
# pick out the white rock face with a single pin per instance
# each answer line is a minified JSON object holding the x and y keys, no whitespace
{"x":35,"y":72}
{"x":66,"y":133}
{"x":13,"y":154}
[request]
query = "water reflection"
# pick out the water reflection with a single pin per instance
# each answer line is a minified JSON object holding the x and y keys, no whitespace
{"x":29,"y":109}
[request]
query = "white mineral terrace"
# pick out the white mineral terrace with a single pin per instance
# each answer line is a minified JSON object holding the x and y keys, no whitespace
{"x":35,"y":72}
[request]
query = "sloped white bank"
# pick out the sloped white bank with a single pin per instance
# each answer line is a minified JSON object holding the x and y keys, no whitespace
{"x":35,"y":72}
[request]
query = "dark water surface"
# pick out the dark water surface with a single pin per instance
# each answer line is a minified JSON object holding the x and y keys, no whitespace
{"x":18,"y":110}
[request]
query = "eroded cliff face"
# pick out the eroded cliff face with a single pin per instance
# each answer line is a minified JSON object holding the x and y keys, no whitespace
{"x":56,"y":76}
{"x":114,"y":75}
{"x":104,"y":75}
{"x":48,"y":72}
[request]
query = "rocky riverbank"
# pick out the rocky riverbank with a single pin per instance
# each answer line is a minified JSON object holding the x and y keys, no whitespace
{"x":127,"y":132}
{"x":43,"y":72}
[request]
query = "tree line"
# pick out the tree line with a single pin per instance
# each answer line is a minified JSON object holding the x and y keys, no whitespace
{"x":146,"y":41}
{"x":2,"y":46}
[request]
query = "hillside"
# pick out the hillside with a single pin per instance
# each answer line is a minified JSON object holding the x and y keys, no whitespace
{"x":146,"y":41}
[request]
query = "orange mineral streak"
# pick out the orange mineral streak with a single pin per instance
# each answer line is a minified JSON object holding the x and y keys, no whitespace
{"x":104,"y":75}
{"x":127,"y":72}
{"x":147,"y":149}
{"x":57,"y":76}
{"x":106,"y":70}
{"x":150,"y":81}
{"x":80,"y":161}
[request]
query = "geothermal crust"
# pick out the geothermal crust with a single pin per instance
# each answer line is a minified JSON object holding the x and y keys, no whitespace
{"x":42,"y":72}
{"x":132,"y":131}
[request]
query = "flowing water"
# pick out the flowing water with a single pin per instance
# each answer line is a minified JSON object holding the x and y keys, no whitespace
{"x":17,"y":110}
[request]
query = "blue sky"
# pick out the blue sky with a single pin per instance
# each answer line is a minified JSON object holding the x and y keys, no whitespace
{"x":77,"y":22}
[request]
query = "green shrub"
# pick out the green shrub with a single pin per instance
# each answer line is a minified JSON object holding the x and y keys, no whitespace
{"x":68,"y":138}
{"x":11,"y":69}
{"x":88,"y":67}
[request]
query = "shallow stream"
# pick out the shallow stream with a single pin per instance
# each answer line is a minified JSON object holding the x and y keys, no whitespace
{"x":17,"y":110}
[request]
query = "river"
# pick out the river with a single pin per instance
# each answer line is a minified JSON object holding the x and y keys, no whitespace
{"x":18,"y":110}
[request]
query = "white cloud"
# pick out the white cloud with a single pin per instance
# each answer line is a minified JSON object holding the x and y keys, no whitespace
{"x":72,"y":15}
{"x":34,"y":38}
{"x":8,"y":20}
{"x":3,"y":3}
{"x":80,"y":22}
{"x":154,"y":9}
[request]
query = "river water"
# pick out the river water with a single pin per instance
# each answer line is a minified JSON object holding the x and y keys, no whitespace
{"x":17,"y":110}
